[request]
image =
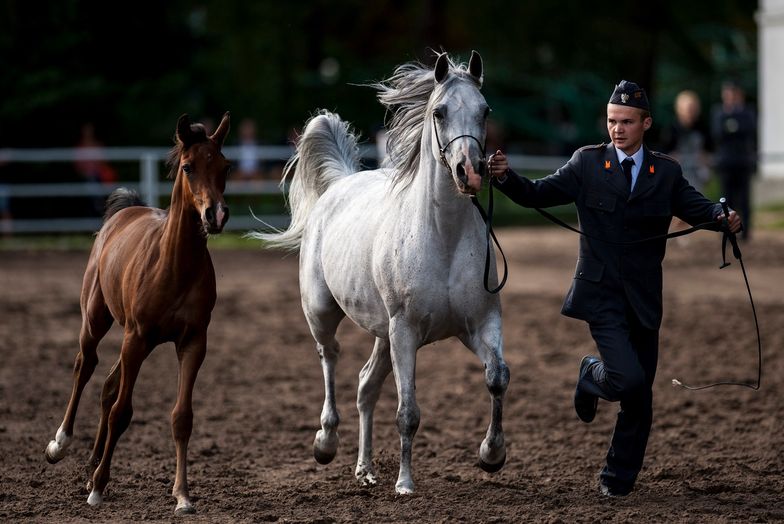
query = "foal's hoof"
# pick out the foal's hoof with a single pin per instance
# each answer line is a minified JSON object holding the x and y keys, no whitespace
{"x":492,"y":468}
{"x":95,"y":499}
{"x":54,"y":453}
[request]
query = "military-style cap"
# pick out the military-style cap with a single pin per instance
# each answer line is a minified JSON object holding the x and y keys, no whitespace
{"x":630,"y":94}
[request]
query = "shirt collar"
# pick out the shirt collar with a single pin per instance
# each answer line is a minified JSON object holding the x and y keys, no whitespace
{"x":637,"y":156}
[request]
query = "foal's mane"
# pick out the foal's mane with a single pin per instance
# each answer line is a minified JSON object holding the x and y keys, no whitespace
{"x":405,"y":95}
{"x":198,"y":135}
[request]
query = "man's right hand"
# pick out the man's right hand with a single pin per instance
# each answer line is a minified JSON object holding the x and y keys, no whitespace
{"x":497,"y":165}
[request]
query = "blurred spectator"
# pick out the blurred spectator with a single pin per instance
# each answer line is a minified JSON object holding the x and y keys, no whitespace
{"x":687,"y":140}
{"x":94,"y":169}
{"x":248,"y":165}
{"x":734,"y":130}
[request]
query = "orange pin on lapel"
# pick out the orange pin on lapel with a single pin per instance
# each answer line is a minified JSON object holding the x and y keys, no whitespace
{"x":607,"y":165}
{"x":650,"y":169}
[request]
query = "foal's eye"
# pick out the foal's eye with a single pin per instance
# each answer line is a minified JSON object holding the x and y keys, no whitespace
{"x":187,"y":169}
{"x":438,"y":113}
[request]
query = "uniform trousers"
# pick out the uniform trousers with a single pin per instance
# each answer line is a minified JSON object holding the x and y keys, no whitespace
{"x":629,"y":354}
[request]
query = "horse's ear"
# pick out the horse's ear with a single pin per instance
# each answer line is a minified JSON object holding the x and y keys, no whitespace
{"x":223,"y":129}
{"x":442,"y":68}
{"x":184,"y":133}
{"x":475,"y":66}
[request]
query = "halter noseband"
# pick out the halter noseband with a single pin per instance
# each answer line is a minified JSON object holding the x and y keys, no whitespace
{"x":442,"y":150}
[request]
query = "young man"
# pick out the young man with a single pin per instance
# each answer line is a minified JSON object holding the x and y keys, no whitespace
{"x":623,"y":192}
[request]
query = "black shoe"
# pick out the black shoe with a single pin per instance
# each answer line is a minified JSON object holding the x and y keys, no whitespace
{"x":584,"y":403}
{"x":608,"y":491}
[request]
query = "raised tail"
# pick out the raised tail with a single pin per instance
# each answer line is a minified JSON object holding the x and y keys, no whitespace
{"x":119,"y":199}
{"x":326,"y":151}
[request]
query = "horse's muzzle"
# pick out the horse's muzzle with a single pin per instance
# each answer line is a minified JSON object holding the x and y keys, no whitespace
{"x":216,"y":218}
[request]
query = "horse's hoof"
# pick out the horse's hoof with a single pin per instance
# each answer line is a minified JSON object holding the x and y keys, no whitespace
{"x":366,"y":478}
{"x":53,"y":453}
{"x":492,"y":468}
{"x":323,"y":457}
{"x":404,"y":488}
{"x":184,"y":509}
{"x":325,"y":447}
{"x":95,"y":499}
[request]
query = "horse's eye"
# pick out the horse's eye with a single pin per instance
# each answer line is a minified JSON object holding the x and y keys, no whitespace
{"x":438,"y":113}
{"x":187,"y":169}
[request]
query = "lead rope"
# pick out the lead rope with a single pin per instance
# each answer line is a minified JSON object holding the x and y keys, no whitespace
{"x":739,"y":256}
{"x":489,"y":233}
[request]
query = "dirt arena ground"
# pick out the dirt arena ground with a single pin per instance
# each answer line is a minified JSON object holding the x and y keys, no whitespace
{"x":714,"y":456}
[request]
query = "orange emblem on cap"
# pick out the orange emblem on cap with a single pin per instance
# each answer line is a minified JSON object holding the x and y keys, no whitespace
{"x":607,"y":164}
{"x":650,"y":169}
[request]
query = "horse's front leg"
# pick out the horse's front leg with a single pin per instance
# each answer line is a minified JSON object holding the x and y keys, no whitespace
{"x":403,"y":348}
{"x":190,"y":353}
{"x":371,"y":378}
{"x":487,"y":343}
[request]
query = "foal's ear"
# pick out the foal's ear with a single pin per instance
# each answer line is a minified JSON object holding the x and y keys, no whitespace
{"x":223,"y":129}
{"x":184,"y":133}
{"x":475,"y":66}
{"x":442,"y":68}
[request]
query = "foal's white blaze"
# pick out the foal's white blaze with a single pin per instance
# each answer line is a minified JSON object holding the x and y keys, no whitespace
{"x":55,"y":450}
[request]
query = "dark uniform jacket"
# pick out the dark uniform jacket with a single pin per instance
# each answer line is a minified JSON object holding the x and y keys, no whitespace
{"x":608,"y":275}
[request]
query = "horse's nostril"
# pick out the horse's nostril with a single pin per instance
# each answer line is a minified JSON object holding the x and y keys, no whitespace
{"x":209,"y":214}
{"x":461,"y":171}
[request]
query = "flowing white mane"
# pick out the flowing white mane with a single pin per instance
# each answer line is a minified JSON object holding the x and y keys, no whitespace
{"x":406,"y":95}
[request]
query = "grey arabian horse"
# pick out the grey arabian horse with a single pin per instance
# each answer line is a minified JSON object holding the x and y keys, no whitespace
{"x":398,"y":250}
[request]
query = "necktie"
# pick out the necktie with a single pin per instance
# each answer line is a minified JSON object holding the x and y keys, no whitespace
{"x":627,"y":171}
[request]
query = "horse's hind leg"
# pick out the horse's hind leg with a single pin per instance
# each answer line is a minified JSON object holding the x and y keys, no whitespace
{"x":96,"y":321}
{"x":190,"y":355}
{"x":323,"y":323}
{"x":487,"y":343}
{"x":133,"y":353}
{"x":108,"y":398}
{"x":371,"y":378}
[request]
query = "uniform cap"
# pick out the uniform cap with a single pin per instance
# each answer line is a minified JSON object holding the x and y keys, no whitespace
{"x":630,"y":94}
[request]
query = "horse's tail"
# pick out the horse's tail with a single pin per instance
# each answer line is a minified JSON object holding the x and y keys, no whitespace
{"x":119,"y":199}
{"x":326,"y":151}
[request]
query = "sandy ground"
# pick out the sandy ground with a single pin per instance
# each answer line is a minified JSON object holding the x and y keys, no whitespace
{"x":713,"y":456}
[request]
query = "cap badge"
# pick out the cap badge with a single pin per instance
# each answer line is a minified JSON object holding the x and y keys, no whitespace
{"x":624,"y":97}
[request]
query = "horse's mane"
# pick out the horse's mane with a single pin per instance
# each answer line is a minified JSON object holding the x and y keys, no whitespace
{"x":405,"y":95}
{"x":198,"y":134}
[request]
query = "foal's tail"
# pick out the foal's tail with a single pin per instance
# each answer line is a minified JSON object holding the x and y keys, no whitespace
{"x":326,"y":151}
{"x":119,"y":199}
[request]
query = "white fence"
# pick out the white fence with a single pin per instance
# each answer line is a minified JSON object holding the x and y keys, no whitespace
{"x":152,"y":187}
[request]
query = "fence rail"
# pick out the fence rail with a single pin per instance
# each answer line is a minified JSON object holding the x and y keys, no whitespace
{"x":152,"y":188}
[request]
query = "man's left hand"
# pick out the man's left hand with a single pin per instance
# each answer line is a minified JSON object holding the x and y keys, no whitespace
{"x":734,"y":221}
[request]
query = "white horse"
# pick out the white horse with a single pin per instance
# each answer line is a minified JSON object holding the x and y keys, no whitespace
{"x":399,"y":250}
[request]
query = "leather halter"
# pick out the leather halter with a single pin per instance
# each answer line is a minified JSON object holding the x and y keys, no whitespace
{"x":442,"y":150}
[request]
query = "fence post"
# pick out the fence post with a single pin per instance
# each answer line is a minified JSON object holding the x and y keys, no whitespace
{"x":149,"y":179}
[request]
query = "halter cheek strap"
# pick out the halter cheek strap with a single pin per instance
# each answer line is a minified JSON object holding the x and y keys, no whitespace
{"x":442,"y":149}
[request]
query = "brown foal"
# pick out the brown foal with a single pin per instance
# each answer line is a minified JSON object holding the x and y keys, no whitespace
{"x":150,"y":271}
